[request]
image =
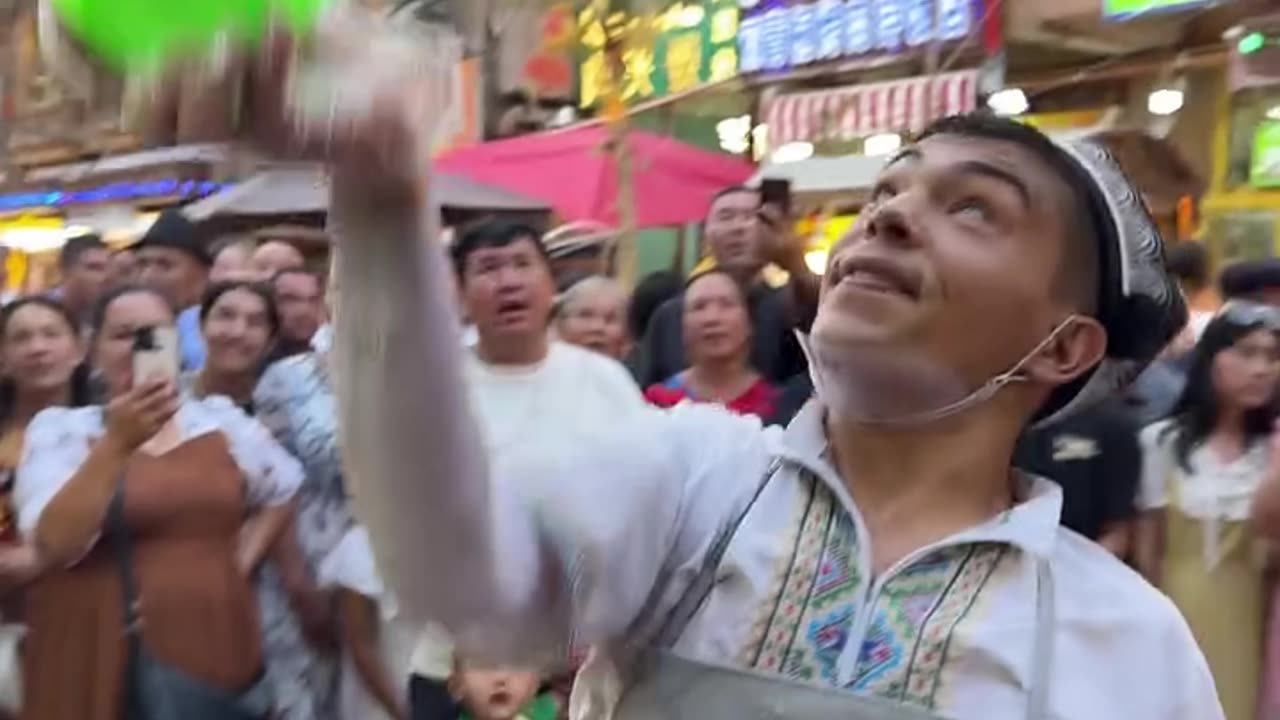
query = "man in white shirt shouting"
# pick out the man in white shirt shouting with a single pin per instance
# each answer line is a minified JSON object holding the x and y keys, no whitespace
{"x":534,"y":397}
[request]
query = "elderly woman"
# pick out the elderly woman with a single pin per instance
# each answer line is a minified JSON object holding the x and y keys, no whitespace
{"x":592,"y":314}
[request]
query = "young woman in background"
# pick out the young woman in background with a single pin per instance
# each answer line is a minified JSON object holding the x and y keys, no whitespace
{"x":1202,"y":469}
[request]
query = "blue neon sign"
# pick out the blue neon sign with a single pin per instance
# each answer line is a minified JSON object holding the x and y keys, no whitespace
{"x":113,"y":192}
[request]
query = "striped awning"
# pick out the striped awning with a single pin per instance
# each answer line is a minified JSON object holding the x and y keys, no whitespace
{"x":855,"y":111}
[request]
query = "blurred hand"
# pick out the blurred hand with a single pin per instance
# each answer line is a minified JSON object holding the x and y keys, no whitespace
{"x":317,"y":618}
{"x":781,"y":246}
{"x":19,"y":565}
{"x":136,"y":416}
{"x":353,"y":94}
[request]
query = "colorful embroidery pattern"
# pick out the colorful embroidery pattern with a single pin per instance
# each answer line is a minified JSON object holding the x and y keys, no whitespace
{"x":782,"y":619}
{"x":831,"y":609}
{"x":906,"y":603}
{"x":820,"y":591}
{"x":925,"y":674}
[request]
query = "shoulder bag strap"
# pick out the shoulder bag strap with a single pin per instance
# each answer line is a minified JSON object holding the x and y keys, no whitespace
{"x":693,"y":598}
{"x":1042,"y":657}
{"x":118,"y":531}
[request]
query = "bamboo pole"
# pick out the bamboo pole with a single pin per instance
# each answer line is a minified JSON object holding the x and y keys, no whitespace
{"x":619,"y":151}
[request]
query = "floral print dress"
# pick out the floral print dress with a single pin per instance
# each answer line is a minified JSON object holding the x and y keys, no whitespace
{"x":296,"y":402}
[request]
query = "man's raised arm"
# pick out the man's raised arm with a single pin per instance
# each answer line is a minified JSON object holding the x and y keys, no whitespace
{"x":453,"y":550}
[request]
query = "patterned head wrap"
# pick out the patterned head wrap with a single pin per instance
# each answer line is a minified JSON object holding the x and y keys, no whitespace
{"x":1139,"y":303}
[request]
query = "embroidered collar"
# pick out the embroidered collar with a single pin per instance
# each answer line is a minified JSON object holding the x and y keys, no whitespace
{"x":1030,"y":525}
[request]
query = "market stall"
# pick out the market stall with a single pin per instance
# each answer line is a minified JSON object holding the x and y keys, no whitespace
{"x":576,"y":173}
{"x":299,"y":195}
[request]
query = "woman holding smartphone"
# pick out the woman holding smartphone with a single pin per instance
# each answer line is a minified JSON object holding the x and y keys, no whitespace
{"x":204,"y":492}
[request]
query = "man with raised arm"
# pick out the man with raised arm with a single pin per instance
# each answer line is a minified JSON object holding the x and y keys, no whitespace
{"x":878,"y":558}
{"x":882,"y":544}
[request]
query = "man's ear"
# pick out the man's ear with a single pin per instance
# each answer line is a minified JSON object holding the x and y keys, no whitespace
{"x":1073,"y":351}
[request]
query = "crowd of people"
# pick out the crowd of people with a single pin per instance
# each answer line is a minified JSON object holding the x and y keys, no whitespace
{"x":253,"y":568}
{"x":475,"y":494}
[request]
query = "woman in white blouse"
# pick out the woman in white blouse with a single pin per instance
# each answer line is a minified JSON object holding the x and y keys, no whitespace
{"x":204,"y":493}
{"x":1202,"y":469}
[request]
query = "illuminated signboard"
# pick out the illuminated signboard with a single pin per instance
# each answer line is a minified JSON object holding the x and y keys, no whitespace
{"x":1125,"y":9}
{"x":679,"y":48}
{"x":774,"y":35}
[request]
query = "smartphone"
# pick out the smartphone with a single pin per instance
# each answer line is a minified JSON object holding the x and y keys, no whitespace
{"x":155,"y":354}
{"x":776,"y":192}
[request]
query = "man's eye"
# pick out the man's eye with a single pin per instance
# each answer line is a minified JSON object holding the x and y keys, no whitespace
{"x":881,"y":192}
{"x":972,"y":208}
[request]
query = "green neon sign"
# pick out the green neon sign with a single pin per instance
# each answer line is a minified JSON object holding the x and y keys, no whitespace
{"x":1124,"y":9}
{"x":1264,"y":164}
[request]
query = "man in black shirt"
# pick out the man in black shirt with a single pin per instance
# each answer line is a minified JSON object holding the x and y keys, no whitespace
{"x":743,"y":238}
{"x":1094,"y":456}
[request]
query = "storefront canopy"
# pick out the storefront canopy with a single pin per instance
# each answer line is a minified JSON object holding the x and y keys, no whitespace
{"x":854,"y":111}
{"x":575,"y":172}
{"x":305,"y":189}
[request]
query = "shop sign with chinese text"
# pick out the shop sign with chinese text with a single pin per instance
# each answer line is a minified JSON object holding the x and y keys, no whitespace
{"x":776,"y":34}
{"x":667,"y":52}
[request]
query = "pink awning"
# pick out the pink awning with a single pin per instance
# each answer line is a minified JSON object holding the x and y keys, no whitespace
{"x":572,"y":171}
{"x":855,"y":111}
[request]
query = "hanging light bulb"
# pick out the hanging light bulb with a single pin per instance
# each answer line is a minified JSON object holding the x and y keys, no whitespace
{"x":793,"y":152}
{"x":1008,"y":102}
{"x":816,"y":260}
{"x":1168,"y":99}
{"x":881,"y":144}
{"x":733,"y":133}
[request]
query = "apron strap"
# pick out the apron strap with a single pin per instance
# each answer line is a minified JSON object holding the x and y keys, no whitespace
{"x":698,"y":591}
{"x":1042,"y":650}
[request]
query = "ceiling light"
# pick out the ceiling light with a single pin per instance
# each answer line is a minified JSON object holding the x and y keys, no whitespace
{"x":35,"y":239}
{"x":734,"y":134}
{"x":1165,"y":101}
{"x":816,"y":260}
{"x":1010,"y":101}
{"x":793,"y":152}
{"x":881,"y":144}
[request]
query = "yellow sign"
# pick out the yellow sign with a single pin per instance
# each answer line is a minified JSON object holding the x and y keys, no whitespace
{"x":1074,"y":120}
{"x":679,"y":48}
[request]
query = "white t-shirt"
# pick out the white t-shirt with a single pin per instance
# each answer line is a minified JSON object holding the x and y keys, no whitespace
{"x":351,"y":567}
{"x":59,"y":440}
{"x":529,"y":414}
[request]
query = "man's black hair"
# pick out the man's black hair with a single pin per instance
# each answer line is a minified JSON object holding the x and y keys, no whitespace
{"x":1078,"y":279}
{"x":731,"y":190}
{"x":215,"y":292}
{"x":1189,"y":263}
{"x":492,"y":233}
{"x":1243,"y":280}
{"x":650,"y":293}
{"x":77,"y":246}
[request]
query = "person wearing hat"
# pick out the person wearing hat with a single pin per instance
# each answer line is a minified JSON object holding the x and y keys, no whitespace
{"x":173,"y":261}
{"x":879,"y":557}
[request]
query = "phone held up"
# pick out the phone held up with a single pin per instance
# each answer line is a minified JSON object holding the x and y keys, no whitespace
{"x":155,"y":354}
{"x":777,"y":193}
